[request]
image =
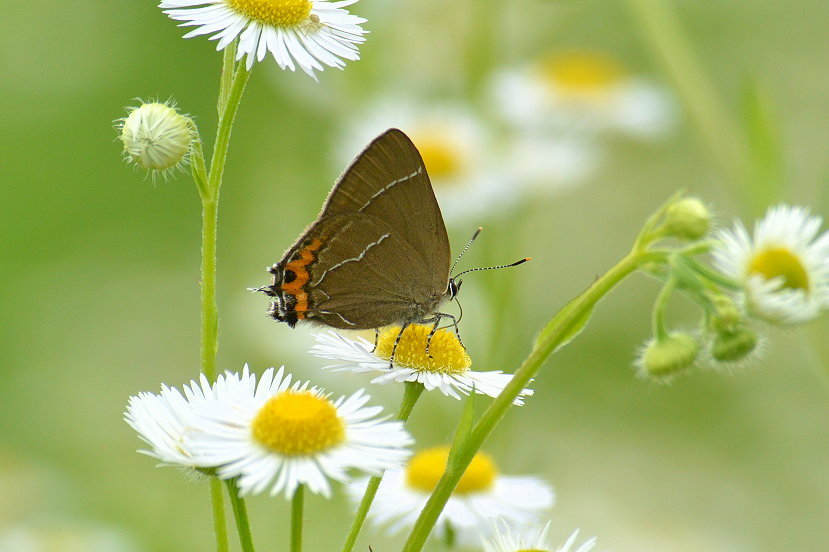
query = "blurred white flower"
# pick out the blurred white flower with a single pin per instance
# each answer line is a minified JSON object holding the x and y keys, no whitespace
{"x":64,"y":536}
{"x":783,"y":267}
{"x":504,"y":539}
{"x":277,"y":435}
{"x":582,"y":91}
{"x":445,"y":367}
{"x":467,"y":174}
{"x":306,"y":33}
{"x":482,"y":494}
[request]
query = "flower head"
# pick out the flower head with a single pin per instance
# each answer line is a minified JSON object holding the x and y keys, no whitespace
{"x":156,"y":136}
{"x":482,"y":493}
{"x":531,"y":540}
{"x":277,"y":435}
{"x":664,"y":357}
{"x":306,"y":33}
{"x":582,"y":90}
{"x":445,"y":367}
{"x":162,"y":420}
{"x":783,"y":267}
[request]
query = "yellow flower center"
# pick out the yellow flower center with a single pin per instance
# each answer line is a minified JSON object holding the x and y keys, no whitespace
{"x":441,"y":153}
{"x":298,"y":423}
{"x":582,"y":75}
{"x":446,"y":354}
{"x":780,"y":262}
{"x":427,"y":466}
{"x":275,"y":13}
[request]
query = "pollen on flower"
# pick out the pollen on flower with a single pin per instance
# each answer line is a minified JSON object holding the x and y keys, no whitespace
{"x":446,"y":354}
{"x":780,"y":262}
{"x":441,"y":154}
{"x":582,"y":74}
{"x":298,"y":423}
{"x":276,"y":13}
{"x":427,"y":466}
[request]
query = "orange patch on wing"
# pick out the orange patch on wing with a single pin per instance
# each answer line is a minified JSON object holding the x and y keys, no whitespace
{"x":306,"y":257}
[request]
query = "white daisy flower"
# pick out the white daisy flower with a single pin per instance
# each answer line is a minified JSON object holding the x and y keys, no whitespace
{"x":535,"y":540}
{"x":446,"y":367}
{"x":162,"y":420}
{"x":582,"y":91}
{"x":481,"y":495}
{"x":783,"y":267}
{"x":306,"y":33}
{"x":276,"y":435}
{"x":465,"y":169}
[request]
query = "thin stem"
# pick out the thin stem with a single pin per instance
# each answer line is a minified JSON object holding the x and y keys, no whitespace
{"x":228,"y":64}
{"x":659,"y":308}
{"x":720,"y":131}
{"x":557,"y":332}
{"x":240,"y":512}
{"x":219,"y":522}
{"x":411,"y":393}
{"x":197,"y":166}
{"x":297,"y":506}
{"x":226,"y":118}
{"x":209,"y":309}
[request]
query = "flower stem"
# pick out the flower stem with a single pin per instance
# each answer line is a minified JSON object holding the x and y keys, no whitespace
{"x":665,"y":36}
{"x":240,"y":512}
{"x":558,"y":331}
{"x":658,"y":328}
{"x":297,"y":506}
{"x":411,"y":393}
{"x":230,"y":94}
{"x":219,"y":523}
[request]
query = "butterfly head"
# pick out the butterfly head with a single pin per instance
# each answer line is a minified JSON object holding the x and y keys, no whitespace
{"x":280,"y":309}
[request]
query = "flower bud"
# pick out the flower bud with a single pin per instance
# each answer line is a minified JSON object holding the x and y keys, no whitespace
{"x":734,"y":346}
{"x":666,"y":357}
{"x":687,"y":219}
{"x":155,"y":136}
{"x":727,"y":315}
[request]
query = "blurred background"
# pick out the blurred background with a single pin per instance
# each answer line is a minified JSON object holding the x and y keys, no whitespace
{"x":100,"y":263}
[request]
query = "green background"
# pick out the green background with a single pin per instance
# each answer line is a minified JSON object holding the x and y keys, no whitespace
{"x":100,"y":274}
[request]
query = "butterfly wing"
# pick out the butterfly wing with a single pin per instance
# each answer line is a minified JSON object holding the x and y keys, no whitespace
{"x":388,"y":180}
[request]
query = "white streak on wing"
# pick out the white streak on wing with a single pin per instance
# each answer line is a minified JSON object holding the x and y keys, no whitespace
{"x":391,"y":184}
{"x":343,"y":318}
{"x":354,"y":259}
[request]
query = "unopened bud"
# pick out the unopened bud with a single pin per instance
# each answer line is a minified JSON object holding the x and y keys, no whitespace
{"x":687,"y":219}
{"x":734,"y":346}
{"x":156,"y":137}
{"x":663,"y":358}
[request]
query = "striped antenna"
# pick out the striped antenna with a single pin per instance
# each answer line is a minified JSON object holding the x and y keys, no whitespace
{"x":472,"y":239}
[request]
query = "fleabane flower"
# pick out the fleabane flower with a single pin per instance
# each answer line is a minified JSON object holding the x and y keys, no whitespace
{"x":582,"y":91}
{"x":481,"y":495}
{"x":504,"y":539}
{"x":162,"y":420}
{"x":304,"y":33}
{"x":156,"y":137}
{"x":783,"y":267}
{"x":275,"y":435}
{"x":446,"y":366}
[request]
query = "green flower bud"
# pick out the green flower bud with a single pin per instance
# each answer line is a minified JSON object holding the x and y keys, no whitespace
{"x":666,"y":357}
{"x":734,"y":346}
{"x":156,"y":137}
{"x":687,"y":219}
{"x":727,"y":315}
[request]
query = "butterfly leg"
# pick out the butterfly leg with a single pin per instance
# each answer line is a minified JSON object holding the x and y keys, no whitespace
{"x":396,"y":342}
{"x":432,"y":333}
{"x":454,"y":324}
{"x":376,"y":338}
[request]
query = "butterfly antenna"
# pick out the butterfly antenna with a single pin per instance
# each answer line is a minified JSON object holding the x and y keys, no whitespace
{"x":472,"y":239}
{"x":516,"y":263}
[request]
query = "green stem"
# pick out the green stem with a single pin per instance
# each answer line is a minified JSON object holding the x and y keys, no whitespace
{"x":297,"y":506}
{"x":240,"y":512}
{"x":219,"y":523}
{"x":411,"y":393}
{"x":226,"y":118}
{"x":555,"y":333}
{"x":659,"y":308}
{"x":720,"y":131}
{"x":209,"y":309}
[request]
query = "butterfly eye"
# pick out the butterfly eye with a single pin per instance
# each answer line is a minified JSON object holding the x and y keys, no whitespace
{"x":453,"y":288}
{"x":289,"y":276}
